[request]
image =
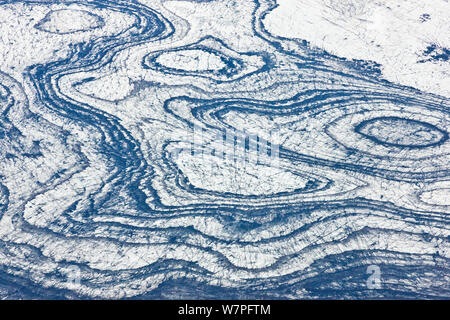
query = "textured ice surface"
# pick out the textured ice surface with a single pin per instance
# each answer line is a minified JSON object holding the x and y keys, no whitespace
{"x":118,"y":178}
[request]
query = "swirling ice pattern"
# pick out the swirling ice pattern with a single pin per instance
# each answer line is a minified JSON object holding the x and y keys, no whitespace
{"x":91,"y":110}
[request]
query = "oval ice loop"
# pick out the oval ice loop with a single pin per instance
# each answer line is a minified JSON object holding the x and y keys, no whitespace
{"x":401,"y":132}
{"x":68,"y":21}
{"x":191,"y":60}
{"x":194,"y":61}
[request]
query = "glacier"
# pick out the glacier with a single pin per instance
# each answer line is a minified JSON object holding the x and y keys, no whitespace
{"x":224,"y":149}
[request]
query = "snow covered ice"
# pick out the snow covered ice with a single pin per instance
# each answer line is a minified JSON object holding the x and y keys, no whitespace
{"x":224,"y":149}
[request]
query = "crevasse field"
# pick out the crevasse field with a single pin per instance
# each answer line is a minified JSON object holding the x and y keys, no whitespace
{"x":226,"y":149}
